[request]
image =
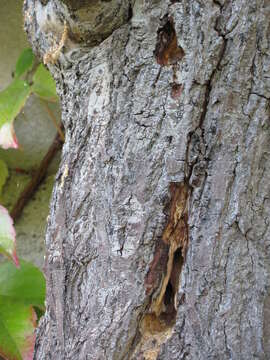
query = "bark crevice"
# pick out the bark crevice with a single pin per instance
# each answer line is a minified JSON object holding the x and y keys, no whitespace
{"x":196,"y":168}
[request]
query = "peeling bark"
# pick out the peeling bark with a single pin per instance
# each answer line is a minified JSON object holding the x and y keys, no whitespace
{"x":158,"y":237}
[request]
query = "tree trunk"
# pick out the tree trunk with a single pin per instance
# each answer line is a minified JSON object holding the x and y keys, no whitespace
{"x":158,"y":237}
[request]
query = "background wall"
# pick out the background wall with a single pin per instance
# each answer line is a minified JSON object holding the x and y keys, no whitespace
{"x":35,"y":132}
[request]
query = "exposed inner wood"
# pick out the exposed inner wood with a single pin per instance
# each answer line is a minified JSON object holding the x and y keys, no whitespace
{"x":156,"y":326}
{"x":167,"y":51}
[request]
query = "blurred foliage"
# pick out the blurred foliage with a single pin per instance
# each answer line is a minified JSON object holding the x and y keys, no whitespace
{"x":22,"y":287}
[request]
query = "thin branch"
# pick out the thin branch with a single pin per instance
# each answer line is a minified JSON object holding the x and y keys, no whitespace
{"x":29,"y":75}
{"x":53,"y":118}
{"x":33,"y":185}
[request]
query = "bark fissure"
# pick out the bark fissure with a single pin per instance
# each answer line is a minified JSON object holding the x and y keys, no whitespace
{"x":205,"y":106}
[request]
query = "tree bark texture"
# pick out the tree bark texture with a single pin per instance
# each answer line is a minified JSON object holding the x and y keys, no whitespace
{"x":158,"y":237}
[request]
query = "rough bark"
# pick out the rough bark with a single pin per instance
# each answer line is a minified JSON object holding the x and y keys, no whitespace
{"x":158,"y":237}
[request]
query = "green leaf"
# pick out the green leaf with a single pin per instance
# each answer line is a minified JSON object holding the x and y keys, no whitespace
{"x":25,"y":284}
{"x":3,"y":174}
{"x":43,"y":84}
{"x":20,"y":290}
{"x":12,"y":100}
{"x":7,"y":236}
{"x":24,"y":62}
{"x":17,"y":325}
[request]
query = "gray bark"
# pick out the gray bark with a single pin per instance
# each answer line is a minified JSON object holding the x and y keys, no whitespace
{"x":158,"y":237}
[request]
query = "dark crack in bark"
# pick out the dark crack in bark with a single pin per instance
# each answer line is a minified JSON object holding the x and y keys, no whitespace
{"x":208,"y":89}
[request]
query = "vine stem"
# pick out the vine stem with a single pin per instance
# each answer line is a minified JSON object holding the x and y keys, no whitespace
{"x":40,"y":174}
{"x":53,"y":118}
